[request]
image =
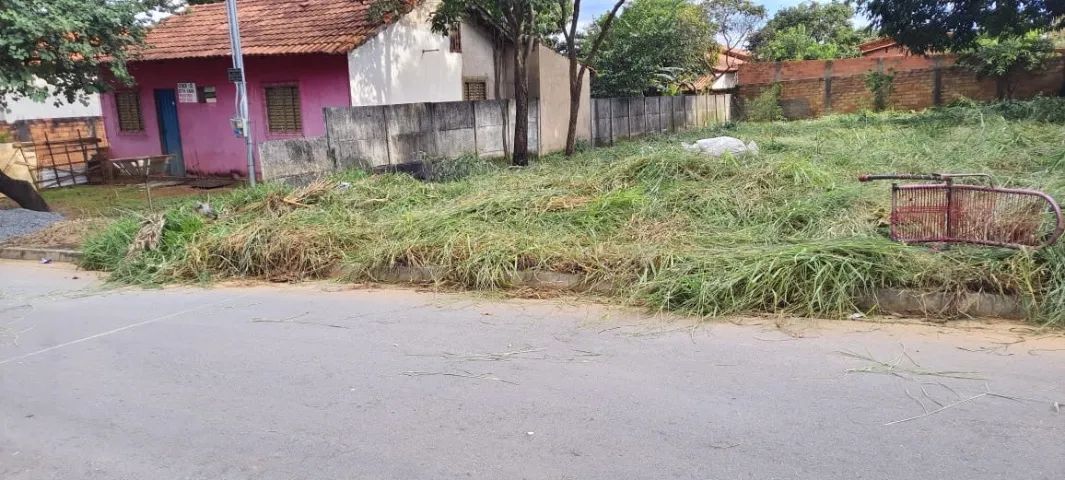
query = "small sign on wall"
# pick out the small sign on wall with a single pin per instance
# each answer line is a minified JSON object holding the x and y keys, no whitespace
{"x":186,"y":93}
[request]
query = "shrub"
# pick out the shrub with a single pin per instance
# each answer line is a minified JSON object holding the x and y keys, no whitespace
{"x":881,"y":85}
{"x":766,"y":106}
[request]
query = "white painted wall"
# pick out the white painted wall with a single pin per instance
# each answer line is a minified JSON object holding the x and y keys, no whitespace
{"x":406,"y":63}
{"x":27,"y":109}
{"x":727,"y":81}
{"x":478,"y":60}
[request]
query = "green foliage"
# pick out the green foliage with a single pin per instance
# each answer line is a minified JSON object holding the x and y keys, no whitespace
{"x":789,"y":230}
{"x":955,"y":25}
{"x":388,"y":10}
{"x":766,"y":106}
{"x":734,"y":20}
{"x":1003,"y":57}
{"x":795,"y":43}
{"x":881,"y":85}
{"x":1006,"y":57}
{"x":810,"y":30}
{"x":647,"y":38}
{"x":59,"y":46}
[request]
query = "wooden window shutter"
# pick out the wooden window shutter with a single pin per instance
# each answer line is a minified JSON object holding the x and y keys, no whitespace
{"x":474,"y":90}
{"x":128,"y":108}
{"x":455,"y":35}
{"x":283,"y":109}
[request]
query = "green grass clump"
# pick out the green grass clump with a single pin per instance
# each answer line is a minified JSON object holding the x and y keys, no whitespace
{"x":789,"y":230}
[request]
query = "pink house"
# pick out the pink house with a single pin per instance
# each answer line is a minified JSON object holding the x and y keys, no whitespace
{"x":300,"y":57}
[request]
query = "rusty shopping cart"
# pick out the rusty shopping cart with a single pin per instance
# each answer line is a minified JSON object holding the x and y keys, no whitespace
{"x":944,"y":211}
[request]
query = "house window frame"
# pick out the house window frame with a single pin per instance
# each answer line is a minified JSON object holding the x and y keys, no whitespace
{"x":266,"y":109}
{"x":135,"y":94}
{"x":465,"y":87}
{"x":454,"y":37}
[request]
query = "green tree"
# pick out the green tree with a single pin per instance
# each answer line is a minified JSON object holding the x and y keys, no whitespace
{"x":797,"y":43}
{"x":60,"y":47}
{"x":568,"y":25}
{"x":734,"y":21}
{"x":522,"y":24}
{"x":648,"y":38}
{"x":1004,"y":58}
{"x":809,"y":30}
{"x":955,"y":25}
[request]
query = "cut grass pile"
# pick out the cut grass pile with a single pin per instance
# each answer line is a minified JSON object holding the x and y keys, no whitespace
{"x":789,"y":230}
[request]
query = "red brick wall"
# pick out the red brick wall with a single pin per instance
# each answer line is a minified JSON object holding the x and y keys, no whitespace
{"x":58,"y":131}
{"x":816,"y":87}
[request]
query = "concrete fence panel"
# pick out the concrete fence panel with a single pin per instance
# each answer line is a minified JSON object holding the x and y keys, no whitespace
{"x":369,"y":137}
{"x":356,"y":137}
{"x":618,"y":118}
{"x":294,"y":158}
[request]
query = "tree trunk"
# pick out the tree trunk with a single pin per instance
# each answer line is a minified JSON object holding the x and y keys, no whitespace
{"x":575,"y":85}
{"x":521,"y":106}
{"x":22,"y":193}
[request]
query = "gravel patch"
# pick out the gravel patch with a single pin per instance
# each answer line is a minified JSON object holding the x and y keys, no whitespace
{"x":19,"y":221}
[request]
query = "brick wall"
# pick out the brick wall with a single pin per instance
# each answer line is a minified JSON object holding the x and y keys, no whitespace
{"x":817,"y":87}
{"x":60,"y":131}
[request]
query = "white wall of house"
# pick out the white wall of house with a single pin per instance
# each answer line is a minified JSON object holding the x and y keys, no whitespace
{"x":406,"y":63}
{"x":727,"y":81}
{"x":27,"y":109}
{"x":478,"y":57}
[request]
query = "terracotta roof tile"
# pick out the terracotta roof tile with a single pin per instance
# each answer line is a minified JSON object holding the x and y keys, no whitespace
{"x":267,"y":27}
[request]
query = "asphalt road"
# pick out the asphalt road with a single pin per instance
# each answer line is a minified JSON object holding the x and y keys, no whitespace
{"x":330,"y":382}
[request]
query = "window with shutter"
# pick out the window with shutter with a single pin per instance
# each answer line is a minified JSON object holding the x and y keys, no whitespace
{"x":283,"y":109}
{"x":455,"y":35}
{"x":474,"y":90}
{"x":128,"y":106}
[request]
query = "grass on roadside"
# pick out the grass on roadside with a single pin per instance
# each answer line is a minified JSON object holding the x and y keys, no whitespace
{"x":789,"y":230}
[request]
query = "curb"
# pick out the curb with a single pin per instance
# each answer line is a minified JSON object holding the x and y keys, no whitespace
{"x":929,"y":304}
{"x":885,"y":301}
{"x":889,"y":301}
{"x":36,"y":254}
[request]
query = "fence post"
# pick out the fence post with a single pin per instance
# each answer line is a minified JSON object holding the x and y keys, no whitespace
{"x":610,"y":120}
{"x":388,"y":136}
{"x":473,"y":113}
{"x":628,"y":117}
{"x":51,"y":157}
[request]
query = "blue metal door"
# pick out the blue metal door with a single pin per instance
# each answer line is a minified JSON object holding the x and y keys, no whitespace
{"x":169,"y":130}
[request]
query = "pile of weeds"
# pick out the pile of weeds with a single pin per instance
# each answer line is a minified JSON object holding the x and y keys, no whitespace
{"x":788,"y":230}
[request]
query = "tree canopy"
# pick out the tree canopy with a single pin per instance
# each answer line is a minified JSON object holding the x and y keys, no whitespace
{"x":954,"y":25}
{"x":523,"y":24}
{"x":811,"y":30}
{"x":650,"y":39}
{"x":60,"y":46}
{"x":734,"y":20}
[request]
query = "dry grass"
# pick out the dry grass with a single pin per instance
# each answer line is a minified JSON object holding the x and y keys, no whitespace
{"x":787,"y":231}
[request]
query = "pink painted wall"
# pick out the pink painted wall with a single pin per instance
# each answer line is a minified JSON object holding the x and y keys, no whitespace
{"x":208,"y":143}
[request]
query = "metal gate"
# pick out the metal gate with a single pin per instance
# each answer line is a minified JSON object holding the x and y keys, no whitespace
{"x":945,"y":212}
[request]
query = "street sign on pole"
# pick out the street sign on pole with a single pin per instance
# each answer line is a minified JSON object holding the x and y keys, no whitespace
{"x":239,"y":78}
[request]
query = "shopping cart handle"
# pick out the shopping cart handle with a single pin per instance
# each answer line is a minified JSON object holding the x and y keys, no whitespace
{"x":899,"y":176}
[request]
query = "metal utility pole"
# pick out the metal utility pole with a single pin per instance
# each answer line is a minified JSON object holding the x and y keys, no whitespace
{"x":238,"y":77}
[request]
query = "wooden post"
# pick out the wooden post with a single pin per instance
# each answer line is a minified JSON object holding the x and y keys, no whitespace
{"x":51,"y":156}
{"x":84,"y":157}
